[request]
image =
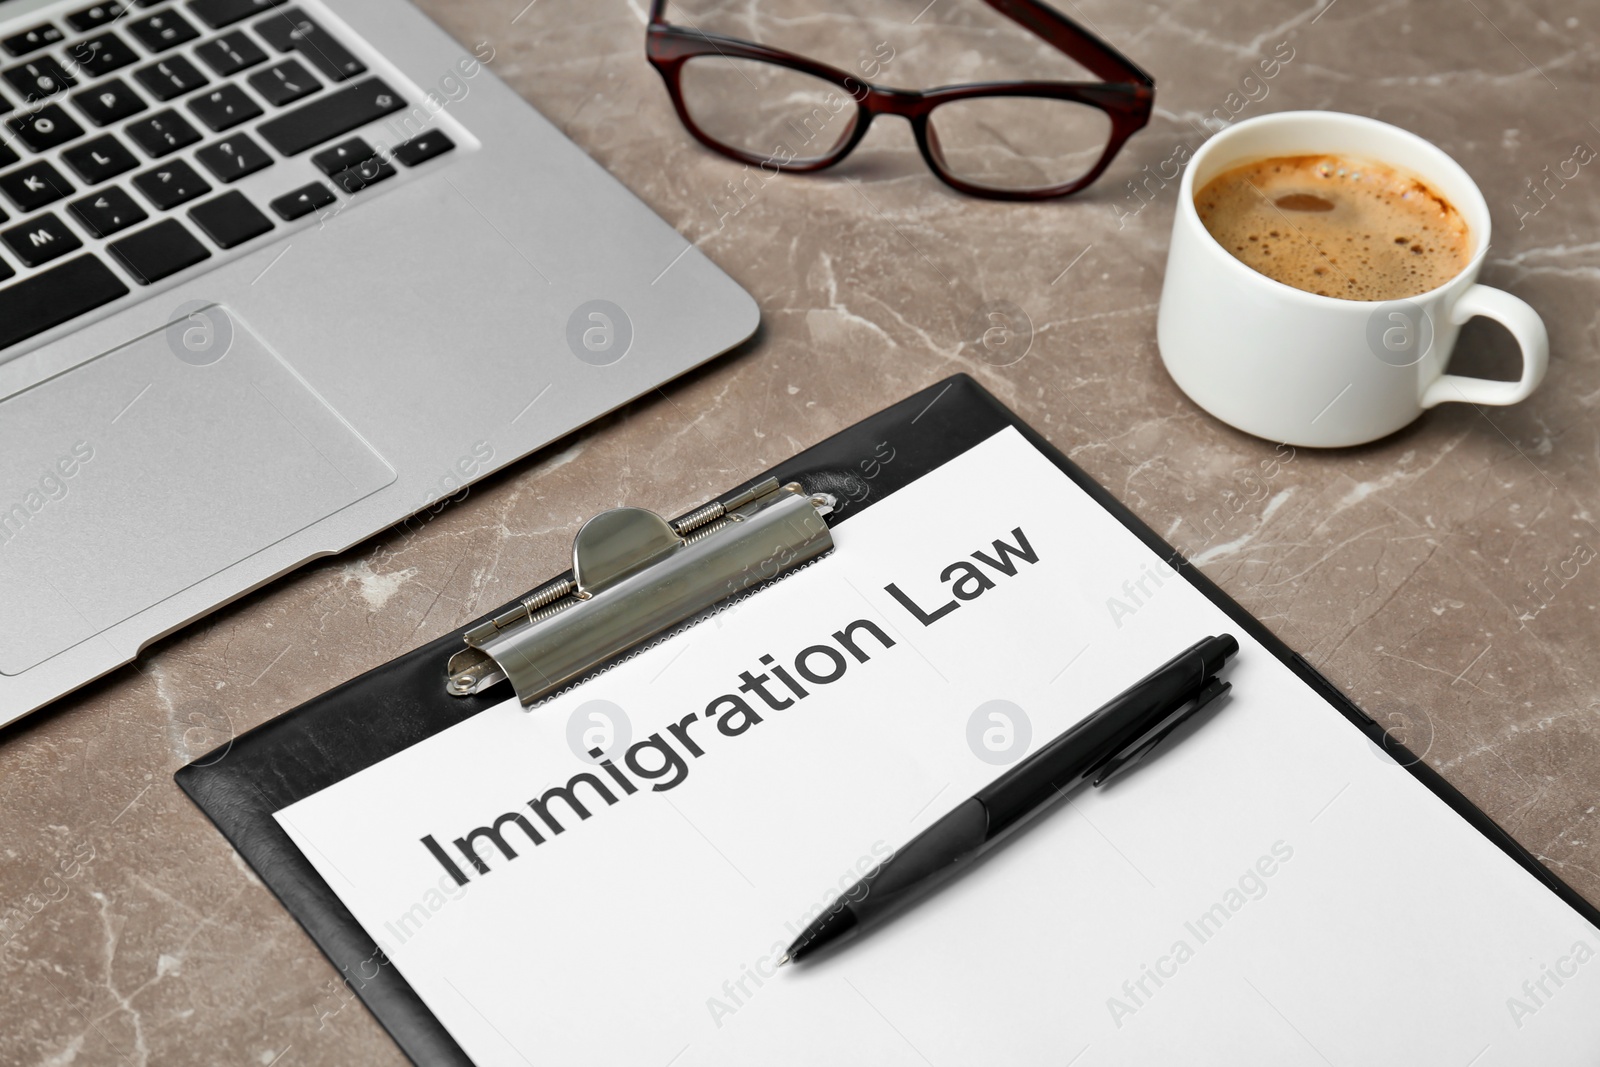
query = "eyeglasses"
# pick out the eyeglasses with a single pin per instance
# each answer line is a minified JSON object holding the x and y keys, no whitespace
{"x":1021,"y":140}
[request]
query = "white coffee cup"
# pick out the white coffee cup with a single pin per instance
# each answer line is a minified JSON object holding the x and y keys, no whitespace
{"x":1292,"y":366}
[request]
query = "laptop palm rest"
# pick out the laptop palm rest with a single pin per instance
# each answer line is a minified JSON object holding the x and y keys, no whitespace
{"x":153,"y":467}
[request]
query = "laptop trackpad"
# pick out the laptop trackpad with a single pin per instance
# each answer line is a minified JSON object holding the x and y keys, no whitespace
{"x":153,"y":467}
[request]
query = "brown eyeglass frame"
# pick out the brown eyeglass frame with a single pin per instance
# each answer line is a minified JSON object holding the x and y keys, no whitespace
{"x":1126,"y":96}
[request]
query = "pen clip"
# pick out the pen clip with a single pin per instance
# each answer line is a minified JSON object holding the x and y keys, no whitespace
{"x":1210,"y":691}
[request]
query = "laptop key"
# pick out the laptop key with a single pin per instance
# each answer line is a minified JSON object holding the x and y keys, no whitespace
{"x":34,"y":186}
{"x":342,"y":156}
{"x":158,"y":251}
{"x":38,"y":79}
{"x":291,"y":30}
{"x":170,"y":78}
{"x":57,"y":295}
{"x":162,"y":133}
{"x":233,"y":157}
{"x":40,"y":239}
{"x":220,"y":13}
{"x":170,"y":185}
{"x":230,"y":220}
{"x":163,"y":30}
{"x":7,"y":156}
{"x":92,"y":18}
{"x":110,"y":101}
{"x":363,"y":175}
{"x":99,"y":56}
{"x":109,"y":211}
{"x":284,"y":83}
{"x":20,"y":44}
{"x":339,"y":112}
{"x":224,"y":108}
{"x":45,"y":128}
{"x":422,"y":147}
{"x":303,"y":201}
{"x":6,"y":271}
{"x":100,"y":159}
{"x":230,"y":53}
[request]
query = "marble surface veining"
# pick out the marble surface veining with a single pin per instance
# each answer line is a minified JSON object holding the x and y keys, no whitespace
{"x":1446,"y":577}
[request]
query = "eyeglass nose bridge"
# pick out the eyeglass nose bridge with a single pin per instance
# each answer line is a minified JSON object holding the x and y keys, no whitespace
{"x":909,"y":104}
{"x":887,"y":100}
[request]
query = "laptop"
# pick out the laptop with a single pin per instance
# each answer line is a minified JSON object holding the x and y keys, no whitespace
{"x":275,"y":275}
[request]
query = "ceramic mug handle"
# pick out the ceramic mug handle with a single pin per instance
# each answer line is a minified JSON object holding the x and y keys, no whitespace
{"x":1528,"y":329}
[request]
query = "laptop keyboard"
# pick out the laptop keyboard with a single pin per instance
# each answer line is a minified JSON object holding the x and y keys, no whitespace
{"x":123,"y":126}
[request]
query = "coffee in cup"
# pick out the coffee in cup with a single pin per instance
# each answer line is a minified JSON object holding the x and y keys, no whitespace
{"x":1270,"y":354}
{"x":1337,"y":226}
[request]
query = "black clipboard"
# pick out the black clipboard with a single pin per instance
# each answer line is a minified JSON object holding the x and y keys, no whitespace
{"x":394,"y":706}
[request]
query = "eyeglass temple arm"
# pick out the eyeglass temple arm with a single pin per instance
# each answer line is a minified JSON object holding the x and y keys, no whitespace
{"x":1085,"y":47}
{"x":1066,"y":35}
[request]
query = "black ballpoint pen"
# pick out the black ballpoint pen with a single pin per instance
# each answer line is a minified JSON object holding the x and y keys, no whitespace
{"x":1106,"y":743}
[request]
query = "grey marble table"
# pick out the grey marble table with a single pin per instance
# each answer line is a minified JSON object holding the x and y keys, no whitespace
{"x":1444,"y":577}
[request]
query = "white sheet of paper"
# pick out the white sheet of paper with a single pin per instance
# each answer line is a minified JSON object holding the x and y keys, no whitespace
{"x":1273,"y":889}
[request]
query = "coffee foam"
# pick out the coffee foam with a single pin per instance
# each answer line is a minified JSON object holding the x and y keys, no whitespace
{"x":1336,"y":226}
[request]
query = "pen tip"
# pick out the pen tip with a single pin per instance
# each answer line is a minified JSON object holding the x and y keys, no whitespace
{"x":783,"y":959}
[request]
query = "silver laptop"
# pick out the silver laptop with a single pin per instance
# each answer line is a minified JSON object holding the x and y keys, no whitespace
{"x":273,"y":277}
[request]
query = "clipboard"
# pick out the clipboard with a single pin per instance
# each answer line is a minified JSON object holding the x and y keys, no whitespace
{"x":442,"y":683}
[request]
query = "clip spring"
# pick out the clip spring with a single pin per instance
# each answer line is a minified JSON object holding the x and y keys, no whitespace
{"x":635,"y":575}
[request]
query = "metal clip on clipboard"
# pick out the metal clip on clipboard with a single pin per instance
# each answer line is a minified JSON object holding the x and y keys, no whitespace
{"x":636,"y":575}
